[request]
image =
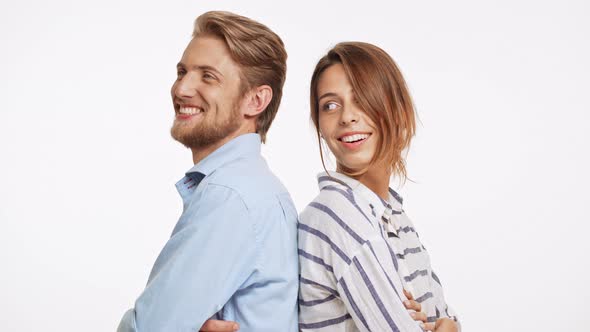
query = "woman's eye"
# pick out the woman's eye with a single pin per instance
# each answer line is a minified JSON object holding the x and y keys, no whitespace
{"x":208,"y":76}
{"x":330,"y":106}
{"x":180,"y":73}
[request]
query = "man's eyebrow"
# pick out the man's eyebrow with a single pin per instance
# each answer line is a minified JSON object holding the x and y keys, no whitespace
{"x":209,"y":68}
{"x":201,"y":67}
{"x":327,"y":94}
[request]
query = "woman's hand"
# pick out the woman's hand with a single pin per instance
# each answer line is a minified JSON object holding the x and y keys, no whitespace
{"x":414,"y":307}
{"x":442,"y":325}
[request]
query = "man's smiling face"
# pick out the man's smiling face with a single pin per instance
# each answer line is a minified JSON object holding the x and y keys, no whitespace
{"x":206,"y":94}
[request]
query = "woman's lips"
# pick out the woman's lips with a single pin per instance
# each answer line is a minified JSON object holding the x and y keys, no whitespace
{"x":353,"y":141}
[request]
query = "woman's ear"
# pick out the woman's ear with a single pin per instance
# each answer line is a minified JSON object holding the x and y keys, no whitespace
{"x":258,"y":100}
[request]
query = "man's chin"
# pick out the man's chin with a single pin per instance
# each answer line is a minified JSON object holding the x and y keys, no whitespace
{"x":182,"y":135}
{"x":200,"y":136}
{"x":192,"y":141}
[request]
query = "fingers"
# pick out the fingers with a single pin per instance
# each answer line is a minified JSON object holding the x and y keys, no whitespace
{"x":413,"y":305}
{"x":427,"y":326}
{"x":418,"y":316}
{"x":213,"y":325}
{"x":446,"y":324}
{"x":408,"y":295}
{"x":410,"y":303}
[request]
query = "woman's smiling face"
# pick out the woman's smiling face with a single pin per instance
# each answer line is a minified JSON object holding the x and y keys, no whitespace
{"x":347,"y":129}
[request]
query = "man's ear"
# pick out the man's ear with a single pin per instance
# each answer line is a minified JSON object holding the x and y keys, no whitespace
{"x":258,"y":99}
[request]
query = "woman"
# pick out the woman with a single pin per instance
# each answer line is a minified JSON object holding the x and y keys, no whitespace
{"x":362,"y":264}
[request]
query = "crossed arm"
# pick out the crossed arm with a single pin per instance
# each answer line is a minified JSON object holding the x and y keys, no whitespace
{"x":205,"y":261}
{"x":414,"y":308}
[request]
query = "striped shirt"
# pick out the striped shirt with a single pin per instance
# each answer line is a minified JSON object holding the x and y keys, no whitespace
{"x":357,"y":253}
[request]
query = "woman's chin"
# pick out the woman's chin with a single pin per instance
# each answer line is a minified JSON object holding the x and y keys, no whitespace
{"x":351,"y":167}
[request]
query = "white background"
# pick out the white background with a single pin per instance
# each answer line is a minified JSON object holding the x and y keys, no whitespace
{"x":500,"y":162}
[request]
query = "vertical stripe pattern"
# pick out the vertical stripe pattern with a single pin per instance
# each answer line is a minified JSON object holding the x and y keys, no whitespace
{"x":353,"y":272}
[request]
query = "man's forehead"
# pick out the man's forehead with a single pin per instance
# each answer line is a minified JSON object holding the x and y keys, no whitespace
{"x":207,"y":51}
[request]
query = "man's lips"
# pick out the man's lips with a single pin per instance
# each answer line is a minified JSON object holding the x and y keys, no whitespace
{"x":184,"y":112}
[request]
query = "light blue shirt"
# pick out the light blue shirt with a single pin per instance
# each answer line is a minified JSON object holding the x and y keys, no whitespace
{"x":232,"y":254}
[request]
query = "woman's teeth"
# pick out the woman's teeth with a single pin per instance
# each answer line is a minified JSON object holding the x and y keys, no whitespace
{"x":354,"y":138}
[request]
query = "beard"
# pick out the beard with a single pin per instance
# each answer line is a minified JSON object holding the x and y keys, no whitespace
{"x":206,"y":133}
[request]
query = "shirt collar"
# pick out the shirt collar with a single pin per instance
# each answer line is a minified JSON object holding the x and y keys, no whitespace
{"x":377,"y":203}
{"x":243,"y":146}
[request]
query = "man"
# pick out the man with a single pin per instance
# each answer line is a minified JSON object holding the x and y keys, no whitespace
{"x":233,"y":253}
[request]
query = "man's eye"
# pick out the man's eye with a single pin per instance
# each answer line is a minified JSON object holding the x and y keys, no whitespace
{"x":208,"y":76}
{"x":180,"y":73}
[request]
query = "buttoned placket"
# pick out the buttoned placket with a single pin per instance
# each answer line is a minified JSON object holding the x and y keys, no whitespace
{"x":392,"y":226}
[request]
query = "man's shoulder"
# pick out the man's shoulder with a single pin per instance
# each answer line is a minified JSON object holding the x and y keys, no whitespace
{"x":251,"y":179}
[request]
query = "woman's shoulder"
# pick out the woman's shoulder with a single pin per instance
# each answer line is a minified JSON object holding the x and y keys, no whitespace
{"x":330,"y":200}
{"x":334,"y":213}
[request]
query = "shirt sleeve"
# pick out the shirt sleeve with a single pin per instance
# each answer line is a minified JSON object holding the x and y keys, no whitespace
{"x":446,"y":310}
{"x":370,"y":293}
{"x":452,"y":315}
{"x":207,"y":259}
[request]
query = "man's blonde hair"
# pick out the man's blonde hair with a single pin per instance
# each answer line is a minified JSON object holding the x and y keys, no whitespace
{"x":260,"y":53}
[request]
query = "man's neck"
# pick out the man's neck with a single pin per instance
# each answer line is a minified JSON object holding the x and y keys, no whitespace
{"x":201,"y":153}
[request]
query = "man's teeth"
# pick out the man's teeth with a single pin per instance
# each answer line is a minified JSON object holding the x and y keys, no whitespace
{"x":190,"y":110}
{"x":354,"y":138}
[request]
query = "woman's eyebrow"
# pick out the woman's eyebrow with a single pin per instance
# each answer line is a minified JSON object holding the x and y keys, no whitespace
{"x":327,"y":94}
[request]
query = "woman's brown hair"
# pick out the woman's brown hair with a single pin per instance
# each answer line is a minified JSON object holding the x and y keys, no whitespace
{"x":382,"y":94}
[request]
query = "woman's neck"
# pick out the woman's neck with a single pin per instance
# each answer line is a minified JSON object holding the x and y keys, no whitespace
{"x":377,"y":179}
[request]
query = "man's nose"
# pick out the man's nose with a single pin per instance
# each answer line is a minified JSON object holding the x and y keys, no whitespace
{"x":186,"y":87}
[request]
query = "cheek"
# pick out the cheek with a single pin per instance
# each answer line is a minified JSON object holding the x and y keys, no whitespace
{"x":325,"y":125}
{"x":214,"y":96}
{"x":369,"y":122}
